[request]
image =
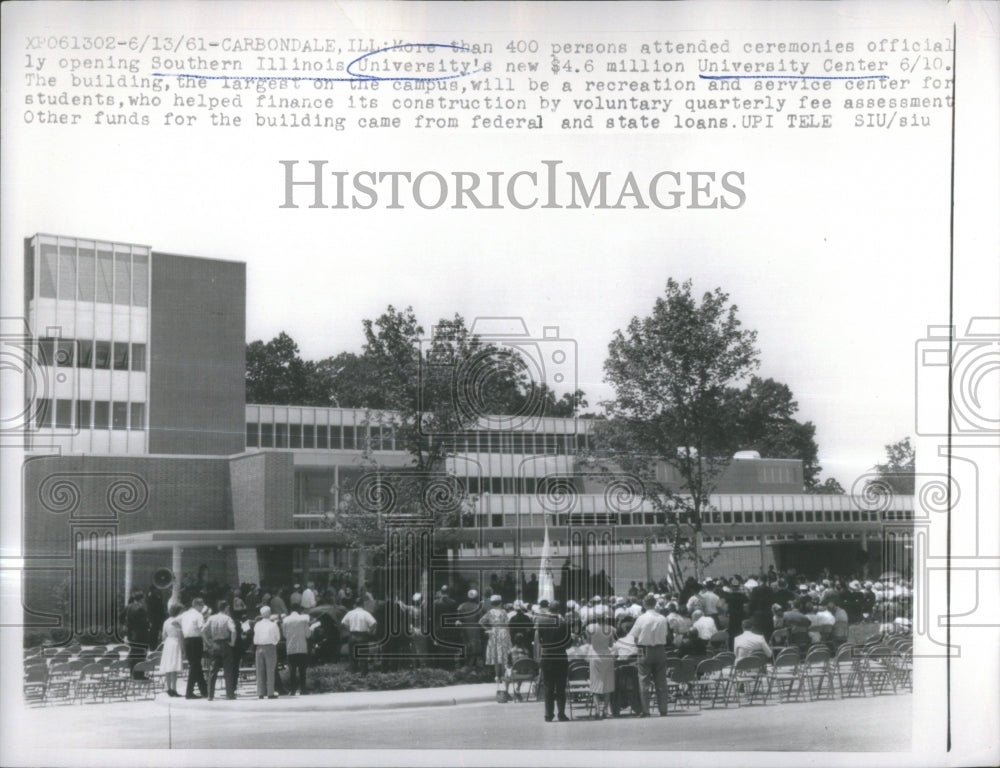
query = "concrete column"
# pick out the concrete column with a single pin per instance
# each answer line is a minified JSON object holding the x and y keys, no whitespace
{"x":649,"y":560}
{"x":763,"y":553}
{"x":175,"y":569}
{"x":128,"y":574}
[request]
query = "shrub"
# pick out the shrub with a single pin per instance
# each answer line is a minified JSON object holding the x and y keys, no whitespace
{"x":338,"y":678}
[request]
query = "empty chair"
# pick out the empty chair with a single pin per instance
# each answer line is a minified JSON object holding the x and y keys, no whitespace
{"x":879,"y":670}
{"x":815,"y":673}
{"x":578,"y":687}
{"x":708,"y":678}
{"x":747,"y":679}
{"x":849,"y":672}
{"x":785,"y":674}
{"x":36,"y":679}
{"x":90,"y":684}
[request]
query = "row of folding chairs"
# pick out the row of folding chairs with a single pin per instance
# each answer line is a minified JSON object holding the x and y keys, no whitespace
{"x":83,"y":681}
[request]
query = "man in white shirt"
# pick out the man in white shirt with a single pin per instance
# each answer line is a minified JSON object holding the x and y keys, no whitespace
{"x":650,"y":635}
{"x":361,"y":624}
{"x":266,"y":635}
{"x":709,"y":600}
{"x":192,"y":624}
{"x":749,"y":641}
{"x":220,"y":636}
{"x":297,"y":631}
{"x":309,"y":597}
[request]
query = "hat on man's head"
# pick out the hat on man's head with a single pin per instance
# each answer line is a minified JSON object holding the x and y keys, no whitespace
{"x":496,"y":599}
{"x":751,"y":583}
{"x":856,"y":585}
{"x":595,"y":599}
{"x":416,"y":597}
{"x":473,"y":594}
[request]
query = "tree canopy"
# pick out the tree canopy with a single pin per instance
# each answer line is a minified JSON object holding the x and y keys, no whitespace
{"x":898,"y":471}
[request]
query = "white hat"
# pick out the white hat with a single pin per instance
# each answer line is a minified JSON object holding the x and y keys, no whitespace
{"x":496,"y":599}
{"x":473,"y":594}
{"x":595,"y":599}
{"x":416,"y":597}
{"x":856,"y":585}
{"x":750,"y":583}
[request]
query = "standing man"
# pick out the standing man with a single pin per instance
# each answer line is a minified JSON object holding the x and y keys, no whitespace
{"x":650,"y":636}
{"x":192,"y":624}
{"x":309,"y":597}
{"x":220,"y":636}
{"x":137,"y":628}
{"x":361,"y":625}
{"x":266,"y":635}
{"x":554,"y":639}
{"x":297,"y":632}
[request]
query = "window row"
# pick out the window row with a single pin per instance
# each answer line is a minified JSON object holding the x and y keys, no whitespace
{"x":93,"y":273}
{"x":84,"y":353}
{"x":84,"y":414}
{"x":266,"y":435}
{"x":320,"y":436}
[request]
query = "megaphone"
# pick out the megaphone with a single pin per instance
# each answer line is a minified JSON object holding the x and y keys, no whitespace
{"x":163,"y":578}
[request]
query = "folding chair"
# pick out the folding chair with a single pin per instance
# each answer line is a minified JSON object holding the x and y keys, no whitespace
{"x":708,"y":678}
{"x":524,"y":671}
{"x":680,"y":680}
{"x":143,"y":681}
{"x":36,"y":678}
{"x":903,"y":663}
{"x":879,"y":670}
{"x":746,"y":678}
{"x":578,"y":687}
{"x":61,"y":682}
{"x":116,"y":680}
{"x":848,"y":666}
{"x":815,"y":671}
{"x":785,"y":674}
{"x":90,"y":684}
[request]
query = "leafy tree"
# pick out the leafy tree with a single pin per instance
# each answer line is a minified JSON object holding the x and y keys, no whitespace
{"x":898,"y":472}
{"x":759,"y":417}
{"x":670,"y":372}
{"x":828,"y":486}
{"x":276,"y":374}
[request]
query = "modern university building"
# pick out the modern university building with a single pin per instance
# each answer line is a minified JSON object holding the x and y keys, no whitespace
{"x":144,"y":455}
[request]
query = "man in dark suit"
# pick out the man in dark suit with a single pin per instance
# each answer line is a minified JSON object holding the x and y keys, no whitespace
{"x":554,"y":638}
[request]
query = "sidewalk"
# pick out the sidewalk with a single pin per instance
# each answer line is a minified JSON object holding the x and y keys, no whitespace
{"x":354,"y":701}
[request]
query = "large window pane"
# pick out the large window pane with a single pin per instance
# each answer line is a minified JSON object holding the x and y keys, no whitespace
{"x":138,"y":357}
{"x":47,"y":351}
{"x":102,"y":354}
{"x":47,"y":273}
{"x":119,"y":415}
{"x":308,"y":440}
{"x":104,"y":275}
{"x":85,"y":354}
{"x":64,"y":355}
{"x":266,"y":436}
{"x":138,"y":416}
{"x":64,"y":414}
{"x":67,"y":272}
{"x":123,"y":279}
{"x":140,"y":271}
{"x":101,"y":414}
{"x":86,"y":271}
{"x":83,"y":414}
{"x":280,"y":435}
{"x":294,"y":435}
{"x":252,"y":438}
{"x":322,"y":436}
{"x":121,"y":356}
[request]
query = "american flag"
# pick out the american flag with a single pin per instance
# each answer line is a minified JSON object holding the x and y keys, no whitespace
{"x":675,"y":580}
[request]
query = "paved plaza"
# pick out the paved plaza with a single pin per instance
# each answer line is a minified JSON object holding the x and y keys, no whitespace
{"x":461,"y":716}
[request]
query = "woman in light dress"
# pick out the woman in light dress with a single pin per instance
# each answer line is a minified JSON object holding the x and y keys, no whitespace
{"x":602,"y":664}
{"x":498,"y":645}
{"x":172,"y":660}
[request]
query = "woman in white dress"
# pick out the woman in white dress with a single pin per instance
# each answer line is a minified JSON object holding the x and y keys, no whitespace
{"x":602,"y":664}
{"x":172,"y":660}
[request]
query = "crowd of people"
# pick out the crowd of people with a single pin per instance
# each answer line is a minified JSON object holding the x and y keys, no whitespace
{"x":261,"y":626}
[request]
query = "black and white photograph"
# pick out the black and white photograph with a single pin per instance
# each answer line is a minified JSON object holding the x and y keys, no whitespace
{"x":499,"y":383}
